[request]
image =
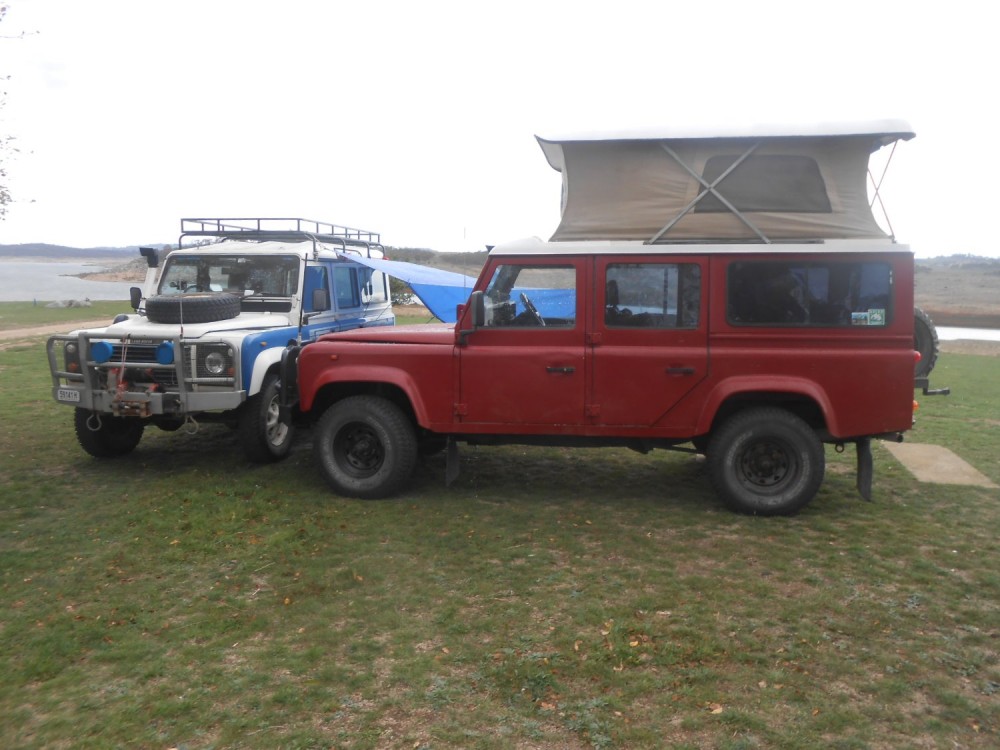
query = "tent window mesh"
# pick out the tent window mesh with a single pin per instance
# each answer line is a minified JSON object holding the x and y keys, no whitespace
{"x":791,"y":184}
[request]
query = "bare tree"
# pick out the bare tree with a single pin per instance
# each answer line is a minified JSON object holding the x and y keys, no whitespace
{"x":6,"y":146}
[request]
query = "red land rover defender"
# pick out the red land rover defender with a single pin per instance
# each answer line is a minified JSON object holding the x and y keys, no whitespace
{"x":730,"y":292}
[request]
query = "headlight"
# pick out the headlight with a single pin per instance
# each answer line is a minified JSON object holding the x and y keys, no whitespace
{"x":215,"y":363}
{"x":71,"y":357}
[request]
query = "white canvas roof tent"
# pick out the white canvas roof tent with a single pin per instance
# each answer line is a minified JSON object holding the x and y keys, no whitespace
{"x":759,"y":184}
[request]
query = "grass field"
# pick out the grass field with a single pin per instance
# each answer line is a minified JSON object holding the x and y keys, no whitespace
{"x":28,"y":314}
{"x":550,"y":598}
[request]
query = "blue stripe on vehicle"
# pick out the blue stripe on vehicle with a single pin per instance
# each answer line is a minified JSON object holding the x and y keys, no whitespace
{"x":256,"y":343}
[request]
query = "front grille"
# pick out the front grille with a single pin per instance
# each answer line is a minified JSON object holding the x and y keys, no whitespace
{"x":136,"y":354}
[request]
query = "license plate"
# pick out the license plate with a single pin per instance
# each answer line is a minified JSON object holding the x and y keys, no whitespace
{"x":68,"y":394}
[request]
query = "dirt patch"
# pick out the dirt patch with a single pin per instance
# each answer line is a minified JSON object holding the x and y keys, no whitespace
{"x":12,"y":334}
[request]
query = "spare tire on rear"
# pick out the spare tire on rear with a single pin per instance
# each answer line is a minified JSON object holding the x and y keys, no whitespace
{"x":925,"y":341}
{"x":196,"y":307}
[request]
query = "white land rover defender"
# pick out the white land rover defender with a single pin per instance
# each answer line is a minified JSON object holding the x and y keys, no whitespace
{"x":209,"y":328}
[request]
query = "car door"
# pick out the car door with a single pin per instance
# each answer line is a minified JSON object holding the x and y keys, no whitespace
{"x":649,"y":336}
{"x":525,"y":366}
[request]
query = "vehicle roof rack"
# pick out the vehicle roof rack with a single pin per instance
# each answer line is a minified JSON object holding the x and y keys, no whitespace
{"x":279,"y":230}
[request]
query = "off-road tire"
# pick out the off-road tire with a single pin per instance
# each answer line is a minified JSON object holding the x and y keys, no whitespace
{"x":366,"y":447}
{"x":262,"y":435}
{"x":766,"y":462}
{"x":195,"y":307}
{"x":925,"y":341}
{"x":114,"y":436}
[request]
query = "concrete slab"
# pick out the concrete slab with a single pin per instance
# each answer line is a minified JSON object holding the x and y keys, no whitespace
{"x":933,"y":463}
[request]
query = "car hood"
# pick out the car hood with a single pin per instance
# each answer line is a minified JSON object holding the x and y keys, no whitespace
{"x":428,"y":333}
{"x":139,"y":326}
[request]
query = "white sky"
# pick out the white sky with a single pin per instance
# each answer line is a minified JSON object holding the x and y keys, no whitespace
{"x":416,"y":119}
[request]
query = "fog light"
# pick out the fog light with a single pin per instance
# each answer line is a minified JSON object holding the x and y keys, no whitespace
{"x":165,"y":353}
{"x":215,"y":363}
{"x":101,"y":351}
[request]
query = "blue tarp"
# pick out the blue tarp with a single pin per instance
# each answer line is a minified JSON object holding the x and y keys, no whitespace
{"x":440,"y":291}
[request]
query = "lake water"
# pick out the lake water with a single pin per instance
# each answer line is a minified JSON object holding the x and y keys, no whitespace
{"x":24,"y":281}
{"x":946,"y":333}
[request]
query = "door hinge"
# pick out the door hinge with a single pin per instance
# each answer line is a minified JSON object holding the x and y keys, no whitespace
{"x":461,"y":410}
{"x":592,"y":410}
{"x":593,"y":338}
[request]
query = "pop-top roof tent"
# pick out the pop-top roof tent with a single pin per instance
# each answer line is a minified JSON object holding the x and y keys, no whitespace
{"x":762,"y":184}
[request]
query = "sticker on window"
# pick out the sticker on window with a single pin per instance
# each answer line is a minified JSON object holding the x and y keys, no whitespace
{"x":873,"y":317}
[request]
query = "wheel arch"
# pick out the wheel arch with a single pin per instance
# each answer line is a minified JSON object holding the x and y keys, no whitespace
{"x":266,"y":362}
{"x":802,"y":398}
{"x":334,"y":391}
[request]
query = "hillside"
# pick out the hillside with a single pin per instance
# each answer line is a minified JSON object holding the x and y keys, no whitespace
{"x":960,"y":290}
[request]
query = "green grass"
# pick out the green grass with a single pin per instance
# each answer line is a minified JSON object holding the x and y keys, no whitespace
{"x":180,"y":597}
{"x":28,"y":314}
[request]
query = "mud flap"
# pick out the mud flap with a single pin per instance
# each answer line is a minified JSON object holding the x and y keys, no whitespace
{"x":865,"y":467}
{"x":451,"y":462}
{"x":288,"y":383}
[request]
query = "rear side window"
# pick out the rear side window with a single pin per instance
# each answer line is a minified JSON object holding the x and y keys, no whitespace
{"x":795,"y":293}
{"x":345,"y":279}
{"x":652,"y":295}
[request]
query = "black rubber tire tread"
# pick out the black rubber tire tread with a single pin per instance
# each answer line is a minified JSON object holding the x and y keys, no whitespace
{"x":116,"y":436}
{"x":196,"y":307}
{"x":777,"y":429}
{"x":253,"y":425}
{"x":925,"y":341}
{"x":389,"y":436}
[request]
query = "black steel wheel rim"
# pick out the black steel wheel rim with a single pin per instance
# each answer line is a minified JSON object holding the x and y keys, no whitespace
{"x":359,"y":450}
{"x":767,"y":465}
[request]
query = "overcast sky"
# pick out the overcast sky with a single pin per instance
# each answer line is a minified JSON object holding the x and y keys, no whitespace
{"x":417,"y":119}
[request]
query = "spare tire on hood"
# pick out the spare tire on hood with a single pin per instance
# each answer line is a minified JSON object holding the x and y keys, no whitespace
{"x":195,"y":307}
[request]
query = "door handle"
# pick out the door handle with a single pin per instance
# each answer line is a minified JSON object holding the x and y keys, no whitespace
{"x":561,"y":370}
{"x":678,"y":370}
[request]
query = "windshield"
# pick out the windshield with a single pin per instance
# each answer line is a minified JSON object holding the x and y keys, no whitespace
{"x":266,"y":275}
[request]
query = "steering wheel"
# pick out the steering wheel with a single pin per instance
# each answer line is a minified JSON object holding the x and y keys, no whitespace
{"x":532,"y":310}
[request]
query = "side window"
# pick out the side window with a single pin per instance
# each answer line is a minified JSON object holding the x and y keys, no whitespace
{"x":796,"y":293}
{"x":345,"y":279}
{"x":652,"y":295}
{"x":531,"y":296}
{"x":373,"y":286}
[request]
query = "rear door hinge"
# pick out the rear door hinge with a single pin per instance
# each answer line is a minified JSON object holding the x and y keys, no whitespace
{"x":592,"y":410}
{"x":461,"y":410}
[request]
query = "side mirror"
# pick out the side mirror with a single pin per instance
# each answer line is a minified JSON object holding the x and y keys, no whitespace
{"x":477,"y":316}
{"x":135,"y":297}
{"x":478,"y":304}
{"x":320,"y":300}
